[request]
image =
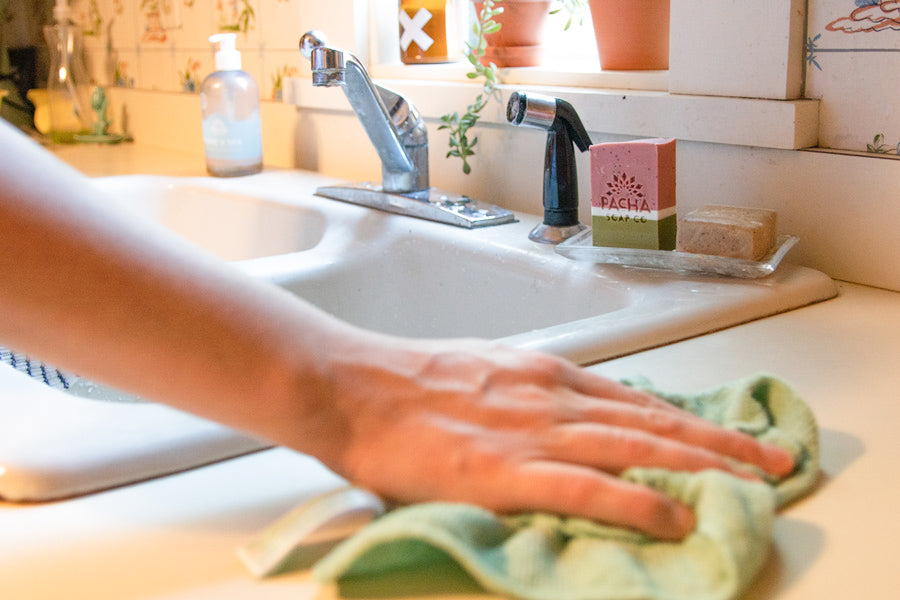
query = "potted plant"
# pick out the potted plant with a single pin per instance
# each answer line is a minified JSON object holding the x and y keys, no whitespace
{"x":633,"y":34}
{"x":458,"y":126}
{"x":517,"y":39}
{"x":575,"y":8}
{"x":515,"y":31}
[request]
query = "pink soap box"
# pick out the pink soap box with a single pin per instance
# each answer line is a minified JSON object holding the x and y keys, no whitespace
{"x":633,"y":194}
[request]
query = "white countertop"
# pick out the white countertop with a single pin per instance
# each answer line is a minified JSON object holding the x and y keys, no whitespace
{"x":174,"y":537}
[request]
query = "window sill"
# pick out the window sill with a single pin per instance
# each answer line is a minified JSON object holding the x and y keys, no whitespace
{"x":567,"y":73}
{"x":443,"y":89}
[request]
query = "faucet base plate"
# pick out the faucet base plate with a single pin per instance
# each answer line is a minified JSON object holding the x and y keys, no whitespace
{"x":432,"y":204}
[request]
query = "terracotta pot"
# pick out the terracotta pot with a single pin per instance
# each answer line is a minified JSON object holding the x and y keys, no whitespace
{"x":632,"y":34}
{"x":518,"y":43}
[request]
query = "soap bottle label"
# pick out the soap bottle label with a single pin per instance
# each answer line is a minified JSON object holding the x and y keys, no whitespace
{"x":232,"y":140}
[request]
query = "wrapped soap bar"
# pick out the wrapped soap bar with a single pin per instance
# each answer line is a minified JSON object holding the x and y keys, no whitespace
{"x":730,"y":231}
{"x":633,"y":194}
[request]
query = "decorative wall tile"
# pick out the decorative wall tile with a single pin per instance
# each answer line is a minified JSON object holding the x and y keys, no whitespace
{"x":240,"y":17}
{"x":280,"y":24}
{"x":196,"y":25}
{"x":853,"y":67}
{"x":125,"y":67}
{"x":157,"y":69}
{"x":277,"y":65}
{"x":191,"y":69}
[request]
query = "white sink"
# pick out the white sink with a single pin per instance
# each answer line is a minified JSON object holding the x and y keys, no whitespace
{"x":386,"y":272}
{"x":234,"y":225}
{"x":412,"y":277}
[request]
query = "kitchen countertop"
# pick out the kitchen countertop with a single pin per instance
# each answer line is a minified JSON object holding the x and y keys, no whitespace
{"x":174,"y":537}
{"x":126,"y":158}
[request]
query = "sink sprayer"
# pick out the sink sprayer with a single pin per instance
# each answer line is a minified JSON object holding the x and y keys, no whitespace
{"x":564,"y":128}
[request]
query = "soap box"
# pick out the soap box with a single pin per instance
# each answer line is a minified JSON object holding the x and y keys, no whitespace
{"x":633,"y":194}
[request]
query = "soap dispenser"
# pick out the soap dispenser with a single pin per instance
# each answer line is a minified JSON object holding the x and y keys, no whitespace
{"x":564,"y":128}
{"x":232,"y":129}
{"x":68,"y":88}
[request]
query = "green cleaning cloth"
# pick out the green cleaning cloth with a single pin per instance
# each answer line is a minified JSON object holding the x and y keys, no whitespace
{"x":546,"y":557}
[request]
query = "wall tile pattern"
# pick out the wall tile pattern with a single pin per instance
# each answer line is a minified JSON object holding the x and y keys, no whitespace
{"x":853,"y":67}
{"x":163,"y":44}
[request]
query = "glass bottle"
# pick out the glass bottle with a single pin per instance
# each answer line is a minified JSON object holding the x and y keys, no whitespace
{"x":68,"y":87}
{"x":428,"y":31}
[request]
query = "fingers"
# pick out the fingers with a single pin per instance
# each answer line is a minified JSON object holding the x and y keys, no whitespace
{"x":615,"y":449}
{"x":688,"y":429}
{"x":578,"y":491}
{"x":613,"y":403}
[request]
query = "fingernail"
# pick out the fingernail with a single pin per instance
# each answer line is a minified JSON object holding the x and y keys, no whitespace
{"x":681,"y":522}
{"x":781,"y":461}
{"x":685,"y":519}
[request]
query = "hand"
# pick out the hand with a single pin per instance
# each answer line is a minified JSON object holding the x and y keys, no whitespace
{"x":512,"y":431}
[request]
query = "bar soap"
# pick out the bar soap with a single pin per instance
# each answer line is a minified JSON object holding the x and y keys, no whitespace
{"x":731,"y":231}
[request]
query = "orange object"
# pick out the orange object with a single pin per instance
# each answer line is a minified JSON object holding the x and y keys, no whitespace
{"x":632,"y":35}
{"x":427,"y":31}
{"x":518,"y":43}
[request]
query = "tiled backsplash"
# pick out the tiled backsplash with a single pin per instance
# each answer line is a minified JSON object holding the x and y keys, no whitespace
{"x":853,"y":67}
{"x":163,"y":44}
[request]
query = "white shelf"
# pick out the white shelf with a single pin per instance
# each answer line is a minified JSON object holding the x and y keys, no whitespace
{"x":781,"y":124}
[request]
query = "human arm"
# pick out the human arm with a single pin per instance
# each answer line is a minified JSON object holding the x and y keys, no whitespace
{"x":413,"y":420}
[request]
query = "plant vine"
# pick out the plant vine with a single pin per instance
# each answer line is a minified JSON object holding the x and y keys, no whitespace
{"x":459,"y":126}
{"x":576,"y":9}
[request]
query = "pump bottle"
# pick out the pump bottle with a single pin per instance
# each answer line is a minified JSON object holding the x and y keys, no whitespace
{"x":232,"y":129}
{"x":68,"y":88}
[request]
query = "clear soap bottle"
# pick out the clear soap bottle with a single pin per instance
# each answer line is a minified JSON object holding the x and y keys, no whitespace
{"x":68,"y":88}
{"x":232,"y":129}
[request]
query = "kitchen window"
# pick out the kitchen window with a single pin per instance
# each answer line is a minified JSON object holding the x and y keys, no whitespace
{"x":735,"y":75}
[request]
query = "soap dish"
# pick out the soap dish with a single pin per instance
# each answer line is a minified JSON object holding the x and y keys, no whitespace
{"x":580,"y":247}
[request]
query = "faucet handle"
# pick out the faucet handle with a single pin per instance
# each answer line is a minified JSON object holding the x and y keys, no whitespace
{"x":311,"y":40}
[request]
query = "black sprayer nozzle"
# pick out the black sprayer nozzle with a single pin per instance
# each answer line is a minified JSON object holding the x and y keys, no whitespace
{"x":564,"y":128}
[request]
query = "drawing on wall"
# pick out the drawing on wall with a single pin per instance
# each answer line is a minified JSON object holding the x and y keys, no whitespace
{"x":153,"y":25}
{"x":856,"y":47}
{"x":235,"y":15}
{"x":869,"y":15}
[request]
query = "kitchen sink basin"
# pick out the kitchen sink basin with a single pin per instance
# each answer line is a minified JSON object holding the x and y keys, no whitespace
{"x":412,"y":277}
{"x":233,"y":225}
{"x":394,"y":274}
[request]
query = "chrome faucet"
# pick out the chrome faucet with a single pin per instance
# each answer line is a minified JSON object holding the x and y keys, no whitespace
{"x":393,"y":125}
{"x":400,"y":137}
